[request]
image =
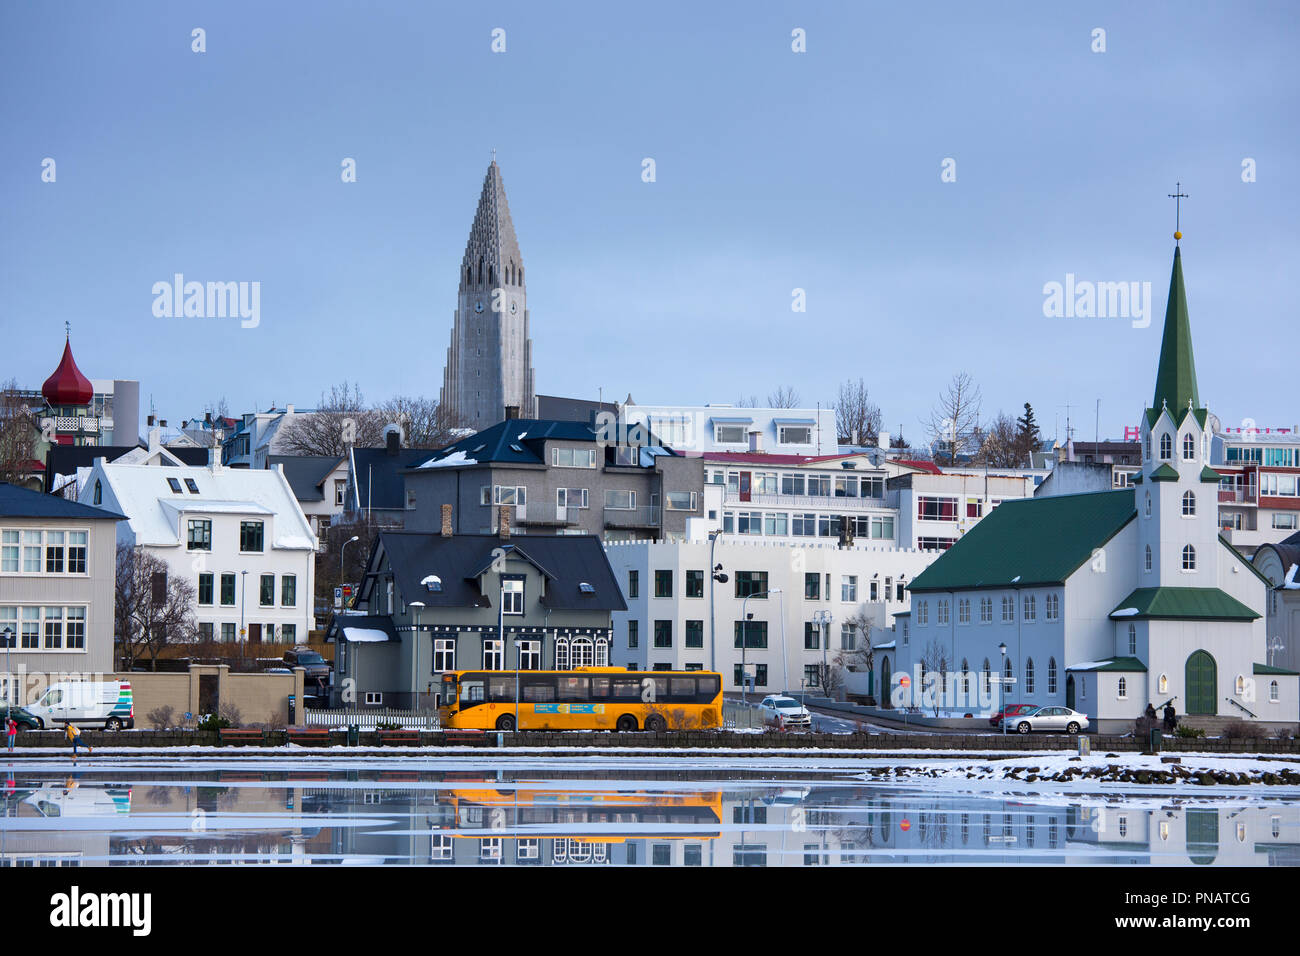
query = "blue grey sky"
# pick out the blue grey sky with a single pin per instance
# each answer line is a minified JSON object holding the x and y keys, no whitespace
{"x":775,"y":171}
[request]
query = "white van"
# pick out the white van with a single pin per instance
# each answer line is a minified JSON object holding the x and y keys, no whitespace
{"x":107,"y":703}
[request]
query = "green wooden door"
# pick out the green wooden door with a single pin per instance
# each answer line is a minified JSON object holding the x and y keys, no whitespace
{"x":1202,"y":684}
{"x":1202,"y":830}
{"x":885,"y":687}
{"x":1069,"y":691}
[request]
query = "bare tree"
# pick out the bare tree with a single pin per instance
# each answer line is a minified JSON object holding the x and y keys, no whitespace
{"x":784,"y":397}
{"x":933,"y":661}
{"x":857,"y":417}
{"x":954,"y":422}
{"x":152,"y":607}
{"x":425,"y":423}
{"x":341,"y":420}
{"x":999,"y":445}
{"x":750,"y":402}
{"x":19,"y":431}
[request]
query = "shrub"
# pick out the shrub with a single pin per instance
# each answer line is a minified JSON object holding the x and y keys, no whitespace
{"x":276,"y":721}
{"x":1188,"y":732}
{"x":1242,"y":730}
{"x":230,"y":713}
{"x":1283,"y":733}
{"x":160,"y":718}
{"x":387,"y":725}
{"x":212,"y":722}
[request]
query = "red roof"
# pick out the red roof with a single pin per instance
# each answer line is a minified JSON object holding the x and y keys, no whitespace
{"x":67,"y":386}
{"x":929,"y":466}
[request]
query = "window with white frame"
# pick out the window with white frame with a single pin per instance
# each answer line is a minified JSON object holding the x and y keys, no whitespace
{"x":941,"y":611}
{"x":1273,"y":691}
{"x":849,"y":587}
{"x":444,"y":654}
{"x":571,"y":498}
{"x":1163,"y":684}
{"x":986,"y":610}
{"x":1051,"y":675}
{"x":583,"y":652}
{"x":1053,"y":607}
{"x":530,"y":655}
{"x":503,"y":495}
{"x":1147,"y":561}
{"x":1029,"y":676}
{"x":730,"y":434}
{"x":33,"y":551}
{"x":1030,"y":609}
{"x":681,"y":501}
{"x":794,"y":434}
{"x":1189,"y":504}
{"x":1121,"y":687}
{"x":573,"y":457}
{"x":1189,"y":447}
{"x":1132,"y":639}
{"x":512,"y":596}
{"x":1282,"y":522}
{"x":922,"y":613}
{"x":963,"y":611}
{"x":1008,"y":609}
{"x":620,"y":500}
{"x":493,"y":654}
{"x":1189,"y":558}
{"x":1166,"y":447}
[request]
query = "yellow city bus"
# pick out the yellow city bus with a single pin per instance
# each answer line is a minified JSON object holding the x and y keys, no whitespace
{"x":587,"y":698}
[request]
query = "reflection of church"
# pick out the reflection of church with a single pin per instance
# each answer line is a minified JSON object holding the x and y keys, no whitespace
{"x":1111,"y":600}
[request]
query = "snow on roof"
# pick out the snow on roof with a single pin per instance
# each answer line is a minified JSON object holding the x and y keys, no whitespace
{"x":1087,"y":665}
{"x":455,"y":458}
{"x":1290,"y":583}
{"x":1124,"y":612}
{"x":144,"y":494}
{"x":364,"y":635}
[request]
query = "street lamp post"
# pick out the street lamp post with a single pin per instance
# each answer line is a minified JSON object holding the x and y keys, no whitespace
{"x":243,"y":597}
{"x":415,"y":656}
{"x":518,"y":642}
{"x":785,"y":656}
{"x":744,"y":641}
{"x":8,"y":635}
{"x":342,"y":551}
{"x":1002,"y":649}
{"x":822,"y":619}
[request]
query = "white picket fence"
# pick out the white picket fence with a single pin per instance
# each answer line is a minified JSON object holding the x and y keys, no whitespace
{"x":371,"y":717}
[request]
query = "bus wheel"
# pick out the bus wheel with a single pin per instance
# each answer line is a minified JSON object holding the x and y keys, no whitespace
{"x":505,"y":723}
{"x":656,"y":724}
{"x":626,"y":724}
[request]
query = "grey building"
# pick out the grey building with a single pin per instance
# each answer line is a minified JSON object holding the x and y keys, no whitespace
{"x":57,"y":570}
{"x":437,"y":602}
{"x":489,"y":371}
{"x":556,"y":477}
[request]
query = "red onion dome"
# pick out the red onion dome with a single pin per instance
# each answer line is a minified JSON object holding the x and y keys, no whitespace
{"x":67,"y":386}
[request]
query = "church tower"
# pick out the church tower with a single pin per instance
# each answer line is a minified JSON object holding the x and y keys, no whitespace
{"x":1177,"y":500}
{"x":489,"y":372}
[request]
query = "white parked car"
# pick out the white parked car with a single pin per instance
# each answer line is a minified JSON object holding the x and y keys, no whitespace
{"x":1047,"y":719}
{"x":785,"y":709}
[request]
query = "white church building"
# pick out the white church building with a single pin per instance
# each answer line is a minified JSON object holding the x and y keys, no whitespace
{"x":1107,"y":601}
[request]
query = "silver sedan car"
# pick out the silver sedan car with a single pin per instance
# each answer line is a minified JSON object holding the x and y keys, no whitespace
{"x":1047,"y":719}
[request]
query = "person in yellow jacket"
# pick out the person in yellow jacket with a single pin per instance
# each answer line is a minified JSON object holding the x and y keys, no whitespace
{"x":74,"y":738}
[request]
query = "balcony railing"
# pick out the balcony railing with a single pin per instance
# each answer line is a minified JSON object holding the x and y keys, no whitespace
{"x":806,"y":502}
{"x":560,"y":517}
{"x":646,"y":516}
{"x":1238,"y":496}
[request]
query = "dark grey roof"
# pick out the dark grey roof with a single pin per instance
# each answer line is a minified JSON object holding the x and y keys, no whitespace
{"x":18,"y":502}
{"x":1288,"y":551}
{"x":567,"y":560}
{"x":371,"y":622}
{"x":522,"y":441}
{"x":66,"y":459}
{"x":378,"y":475}
{"x":305,"y":473}
{"x":571,"y":409}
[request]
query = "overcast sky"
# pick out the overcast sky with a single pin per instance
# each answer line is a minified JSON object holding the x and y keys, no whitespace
{"x":775,"y":171}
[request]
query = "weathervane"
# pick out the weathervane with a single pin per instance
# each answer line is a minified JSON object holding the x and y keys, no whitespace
{"x":1177,"y":196}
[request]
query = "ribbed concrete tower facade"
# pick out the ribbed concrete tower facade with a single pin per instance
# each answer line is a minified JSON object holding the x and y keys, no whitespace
{"x":489,"y":371}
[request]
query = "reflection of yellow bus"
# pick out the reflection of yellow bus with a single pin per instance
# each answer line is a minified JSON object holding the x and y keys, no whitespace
{"x":589,"y":698}
{"x":691,"y":814}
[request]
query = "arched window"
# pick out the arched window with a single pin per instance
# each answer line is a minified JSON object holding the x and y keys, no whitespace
{"x":1148,"y":558}
{"x":965,"y":678}
{"x":1189,"y":503}
{"x":1008,"y":670}
{"x":99,"y":493}
{"x":1146,"y":447}
{"x":1166,"y":447}
{"x":1122,"y":691}
{"x":1189,"y":447}
{"x":583,"y":652}
{"x":1132,"y":640}
{"x":1241,"y":685}
{"x":1051,"y":675}
{"x":1272,"y":691}
{"x":1029,"y":676}
{"x":1189,"y":558}
{"x":602,"y":652}
{"x":1148,"y":504}
{"x":988,"y":678}
{"x":492,"y":275}
{"x":1164,"y":683}
{"x":561,"y":653}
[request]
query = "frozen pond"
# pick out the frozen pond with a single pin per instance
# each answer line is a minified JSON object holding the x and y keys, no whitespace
{"x":510,"y":810}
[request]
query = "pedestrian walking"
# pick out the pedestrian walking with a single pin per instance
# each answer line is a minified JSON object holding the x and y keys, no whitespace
{"x":74,"y":738}
{"x":11,"y":731}
{"x":1171,"y":719}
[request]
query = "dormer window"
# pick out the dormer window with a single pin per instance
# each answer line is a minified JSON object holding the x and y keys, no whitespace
{"x":1189,"y":447}
{"x":1166,"y":447}
{"x":586,"y":588}
{"x":99,"y":493}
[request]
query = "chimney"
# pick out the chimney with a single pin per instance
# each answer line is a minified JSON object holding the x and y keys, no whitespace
{"x":288,"y":409}
{"x":882,"y":440}
{"x":162,"y":423}
{"x":446,"y":521}
{"x":154,"y":438}
{"x":756,"y":441}
{"x":392,"y":439}
{"x":503,"y":522}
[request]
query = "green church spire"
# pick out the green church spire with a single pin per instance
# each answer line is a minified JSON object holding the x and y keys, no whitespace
{"x":1176,"y":376}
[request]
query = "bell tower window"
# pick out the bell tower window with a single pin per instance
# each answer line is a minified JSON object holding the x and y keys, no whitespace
{"x":1166,"y":447}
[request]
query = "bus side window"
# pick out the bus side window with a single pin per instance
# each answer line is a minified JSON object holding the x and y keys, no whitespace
{"x":682,"y":688}
{"x":626,"y":689}
{"x":600,"y":687}
{"x":471,"y":692}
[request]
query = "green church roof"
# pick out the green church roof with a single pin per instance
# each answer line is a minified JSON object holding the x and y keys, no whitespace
{"x":1266,"y":669}
{"x":1029,"y":542}
{"x":1176,"y":375}
{"x":1182,"y":604}
{"x":1127,"y":665}
{"x":1165,"y":472}
{"x":1208,"y":474}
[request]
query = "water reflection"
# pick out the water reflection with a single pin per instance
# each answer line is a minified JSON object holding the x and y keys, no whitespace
{"x":653,"y":818}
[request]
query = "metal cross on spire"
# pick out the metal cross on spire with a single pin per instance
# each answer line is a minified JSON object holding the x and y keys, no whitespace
{"x":67,"y":328}
{"x":1177,"y":196}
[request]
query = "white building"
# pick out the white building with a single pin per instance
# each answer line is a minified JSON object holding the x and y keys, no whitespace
{"x":237,"y":535}
{"x":831,"y":601}
{"x":714,"y":428}
{"x":1108,"y":601}
{"x":936,"y":509}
